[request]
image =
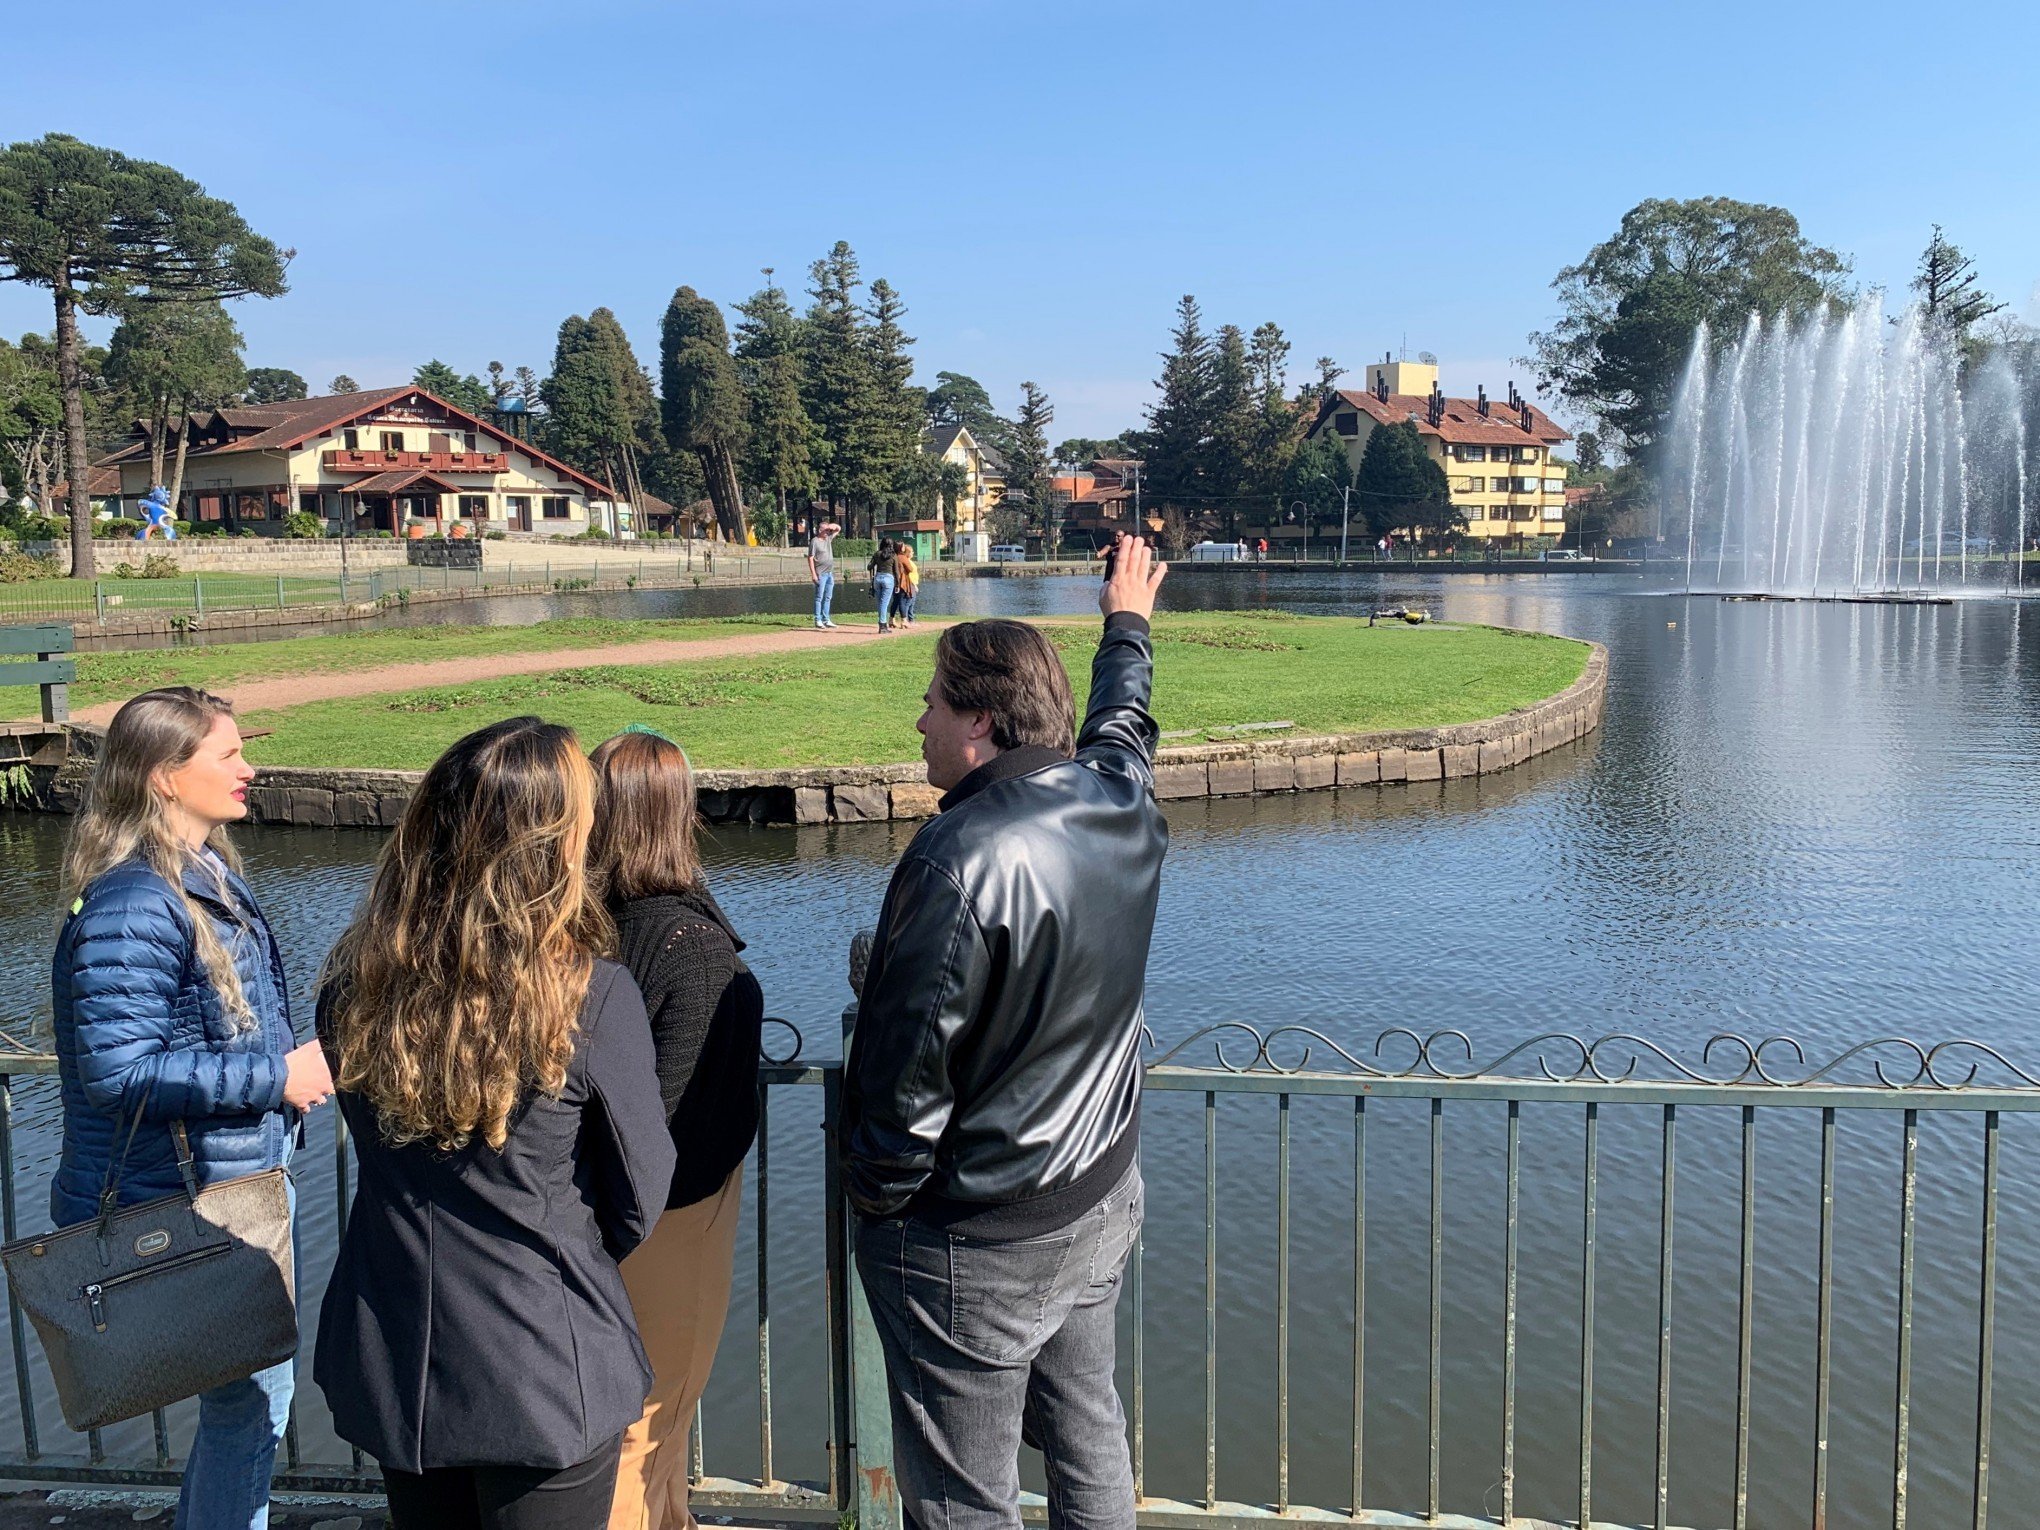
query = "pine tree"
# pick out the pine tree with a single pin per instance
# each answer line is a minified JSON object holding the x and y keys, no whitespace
{"x":894,"y":432}
{"x":1235,"y":424}
{"x":100,"y":229}
{"x":343,"y":384}
{"x":530,"y":390}
{"x":1948,"y":291}
{"x":1029,"y":467}
{"x":702,"y":401}
{"x":1399,"y":485}
{"x":274,"y":385}
{"x":1177,"y":441}
{"x":499,"y":385}
{"x":601,"y":416}
{"x":1279,"y":422}
{"x":836,"y":374}
{"x":781,"y":446}
{"x":442,"y":382}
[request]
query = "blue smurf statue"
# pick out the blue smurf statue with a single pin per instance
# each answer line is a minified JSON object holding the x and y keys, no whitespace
{"x":156,"y":515}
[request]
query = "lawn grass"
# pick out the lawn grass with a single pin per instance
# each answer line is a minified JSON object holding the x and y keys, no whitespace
{"x":856,"y":706}
{"x":217,"y":666}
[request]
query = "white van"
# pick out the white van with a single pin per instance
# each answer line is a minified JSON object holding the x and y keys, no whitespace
{"x":1219,"y":552}
{"x":1008,"y":552}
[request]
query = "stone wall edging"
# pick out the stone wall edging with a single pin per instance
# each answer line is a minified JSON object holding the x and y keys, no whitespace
{"x":352,"y":798}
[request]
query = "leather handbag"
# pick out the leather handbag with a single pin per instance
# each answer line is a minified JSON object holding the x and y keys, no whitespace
{"x":145,"y":1305}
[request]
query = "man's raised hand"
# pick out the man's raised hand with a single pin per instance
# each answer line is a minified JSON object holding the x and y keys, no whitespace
{"x":1136,"y":576}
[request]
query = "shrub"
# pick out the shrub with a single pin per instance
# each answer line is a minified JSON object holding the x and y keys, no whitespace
{"x":247,"y":532}
{"x":30,"y":526}
{"x":854,"y":549}
{"x":592,"y":534}
{"x":302,"y":524}
{"x":115,"y":527}
{"x":16,"y":567}
{"x":495,"y":536}
{"x":160,"y":566}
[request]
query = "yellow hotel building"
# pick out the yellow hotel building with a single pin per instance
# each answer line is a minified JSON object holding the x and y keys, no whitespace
{"x":1496,"y":456}
{"x":369,"y":461}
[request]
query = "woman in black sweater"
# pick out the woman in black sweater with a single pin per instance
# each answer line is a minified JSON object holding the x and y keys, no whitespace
{"x":706,"y":1011}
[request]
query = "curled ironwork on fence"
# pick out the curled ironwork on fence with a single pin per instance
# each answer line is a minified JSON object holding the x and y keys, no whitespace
{"x":1447,"y":1071}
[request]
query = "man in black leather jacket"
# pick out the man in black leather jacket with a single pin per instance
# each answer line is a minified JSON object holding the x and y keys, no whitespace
{"x":991,"y":1111}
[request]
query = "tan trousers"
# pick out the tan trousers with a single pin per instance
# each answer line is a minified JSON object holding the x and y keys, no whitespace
{"x":679,"y":1285}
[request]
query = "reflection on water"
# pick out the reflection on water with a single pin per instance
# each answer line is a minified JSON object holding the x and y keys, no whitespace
{"x":1797,"y":818}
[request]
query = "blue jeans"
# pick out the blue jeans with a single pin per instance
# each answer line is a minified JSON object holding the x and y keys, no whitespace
{"x":226,"y":1479}
{"x":988,"y":1344}
{"x":825,"y":589}
{"x":882,"y":586}
{"x":903,"y":607}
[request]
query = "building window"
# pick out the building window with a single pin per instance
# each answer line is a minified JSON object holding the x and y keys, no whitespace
{"x":211,"y":507}
{"x":474,"y":507}
{"x":1346,"y":424}
{"x":1524,"y":513}
{"x":350,"y":440}
{"x":1474,"y":512}
{"x":553,"y":509}
{"x":308,"y":502}
{"x":393,"y":440}
{"x":1470,"y":453}
{"x":467,"y":438}
{"x":1554,"y":486}
{"x":1554,"y":512}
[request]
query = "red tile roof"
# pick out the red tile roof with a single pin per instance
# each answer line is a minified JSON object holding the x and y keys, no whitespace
{"x":397,"y":480}
{"x":285,"y":426}
{"x":1462,"y":422}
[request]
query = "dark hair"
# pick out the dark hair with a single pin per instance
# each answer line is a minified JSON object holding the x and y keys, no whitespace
{"x":643,"y":843}
{"x":1010,"y":670}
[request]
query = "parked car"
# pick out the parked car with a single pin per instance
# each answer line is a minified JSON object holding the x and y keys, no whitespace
{"x":1564,"y":555}
{"x":1219,"y":552}
{"x":1008,"y":552}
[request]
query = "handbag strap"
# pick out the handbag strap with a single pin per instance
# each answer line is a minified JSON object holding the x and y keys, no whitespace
{"x":116,"y":1168}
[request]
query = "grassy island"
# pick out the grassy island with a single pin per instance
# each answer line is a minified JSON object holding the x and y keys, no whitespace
{"x":856,"y":705}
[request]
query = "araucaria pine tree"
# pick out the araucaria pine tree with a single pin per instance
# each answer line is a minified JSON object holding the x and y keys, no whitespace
{"x":1028,"y":463}
{"x":896,"y":405}
{"x":1177,"y":441}
{"x":836,"y":381}
{"x":702,"y":402}
{"x":97,"y":228}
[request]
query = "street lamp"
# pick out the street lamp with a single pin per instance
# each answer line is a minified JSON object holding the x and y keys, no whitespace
{"x":1345,"y":510}
{"x":1300,"y":511}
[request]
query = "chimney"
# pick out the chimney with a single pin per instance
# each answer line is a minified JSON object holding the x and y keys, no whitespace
{"x":1481,"y":402}
{"x":1381,"y":384}
{"x":1437,"y":410}
{"x":1523,"y":413}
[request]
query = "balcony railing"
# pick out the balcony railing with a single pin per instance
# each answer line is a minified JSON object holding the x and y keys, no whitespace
{"x":340,"y":460}
{"x":1573,"y":1142}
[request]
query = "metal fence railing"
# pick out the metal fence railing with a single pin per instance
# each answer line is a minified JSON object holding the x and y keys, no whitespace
{"x":1179,"y":1365}
{"x":196,"y":595}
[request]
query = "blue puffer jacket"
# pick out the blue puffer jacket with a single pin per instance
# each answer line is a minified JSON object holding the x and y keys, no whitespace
{"x":139,"y":1025}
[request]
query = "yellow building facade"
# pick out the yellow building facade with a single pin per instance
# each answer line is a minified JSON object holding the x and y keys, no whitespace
{"x":984,"y":475}
{"x":366,"y":462}
{"x":1496,"y":453}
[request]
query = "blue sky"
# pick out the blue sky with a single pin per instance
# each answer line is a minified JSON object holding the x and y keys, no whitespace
{"x":1041,"y":181}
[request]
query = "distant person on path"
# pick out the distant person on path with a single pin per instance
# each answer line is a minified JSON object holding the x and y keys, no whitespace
{"x":168,"y":994}
{"x":884,"y":574}
{"x":821,"y":567}
{"x":1261,"y":550}
{"x":991,"y":1108}
{"x":499,"y":1080}
{"x":907,"y":573}
{"x":706,"y":1011}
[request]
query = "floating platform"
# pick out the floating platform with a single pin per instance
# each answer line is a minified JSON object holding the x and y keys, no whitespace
{"x":1860,"y":598}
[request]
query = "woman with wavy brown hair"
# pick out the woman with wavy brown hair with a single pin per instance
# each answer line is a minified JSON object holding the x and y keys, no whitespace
{"x":706,"y":1013}
{"x":497,"y":1073}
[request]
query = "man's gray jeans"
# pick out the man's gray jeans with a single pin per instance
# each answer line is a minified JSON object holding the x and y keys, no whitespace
{"x":984,"y":1340}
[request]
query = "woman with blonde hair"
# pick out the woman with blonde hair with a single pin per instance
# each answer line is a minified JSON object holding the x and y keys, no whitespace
{"x":706,"y":1012}
{"x":171,"y":1017}
{"x":497,"y":1073}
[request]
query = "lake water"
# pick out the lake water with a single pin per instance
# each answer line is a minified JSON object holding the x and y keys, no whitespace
{"x":1814,"y":820}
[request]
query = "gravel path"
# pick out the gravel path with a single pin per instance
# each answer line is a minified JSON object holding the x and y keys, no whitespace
{"x":295,"y":690}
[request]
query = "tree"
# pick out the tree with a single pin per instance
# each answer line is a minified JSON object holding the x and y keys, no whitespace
{"x":31,"y":422}
{"x":97,"y":228}
{"x":1028,"y":469}
{"x":1235,"y":422}
{"x":836,"y":374}
{"x":601,"y":417}
{"x":530,"y":391}
{"x":959,"y":400}
{"x":1177,"y":441}
{"x":273,"y":385}
{"x":1401,"y":487}
{"x":1329,"y":373}
{"x":893,"y":432}
{"x":499,"y":385}
{"x":169,"y":360}
{"x":780,"y":448}
{"x":1088,"y":449}
{"x":467,"y":393}
{"x":1629,"y":310}
{"x":1587,"y":452}
{"x":1319,"y":475}
{"x":702,"y":400}
{"x":343,"y":384}
{"x":1946,"y":283}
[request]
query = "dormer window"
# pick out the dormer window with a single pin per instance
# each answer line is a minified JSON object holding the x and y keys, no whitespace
{"x":351,"y":440}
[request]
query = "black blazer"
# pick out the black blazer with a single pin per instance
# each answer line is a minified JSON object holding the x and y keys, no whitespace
{"x":475,"y":1314}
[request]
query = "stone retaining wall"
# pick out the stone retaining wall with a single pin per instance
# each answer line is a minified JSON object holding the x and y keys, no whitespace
{"x":318,"y":798}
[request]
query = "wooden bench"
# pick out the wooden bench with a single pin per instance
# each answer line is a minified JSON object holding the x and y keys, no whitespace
{"x":49,"y":668}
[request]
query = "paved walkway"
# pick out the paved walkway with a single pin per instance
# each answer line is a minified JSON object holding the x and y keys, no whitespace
{"x":294,"y":690}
